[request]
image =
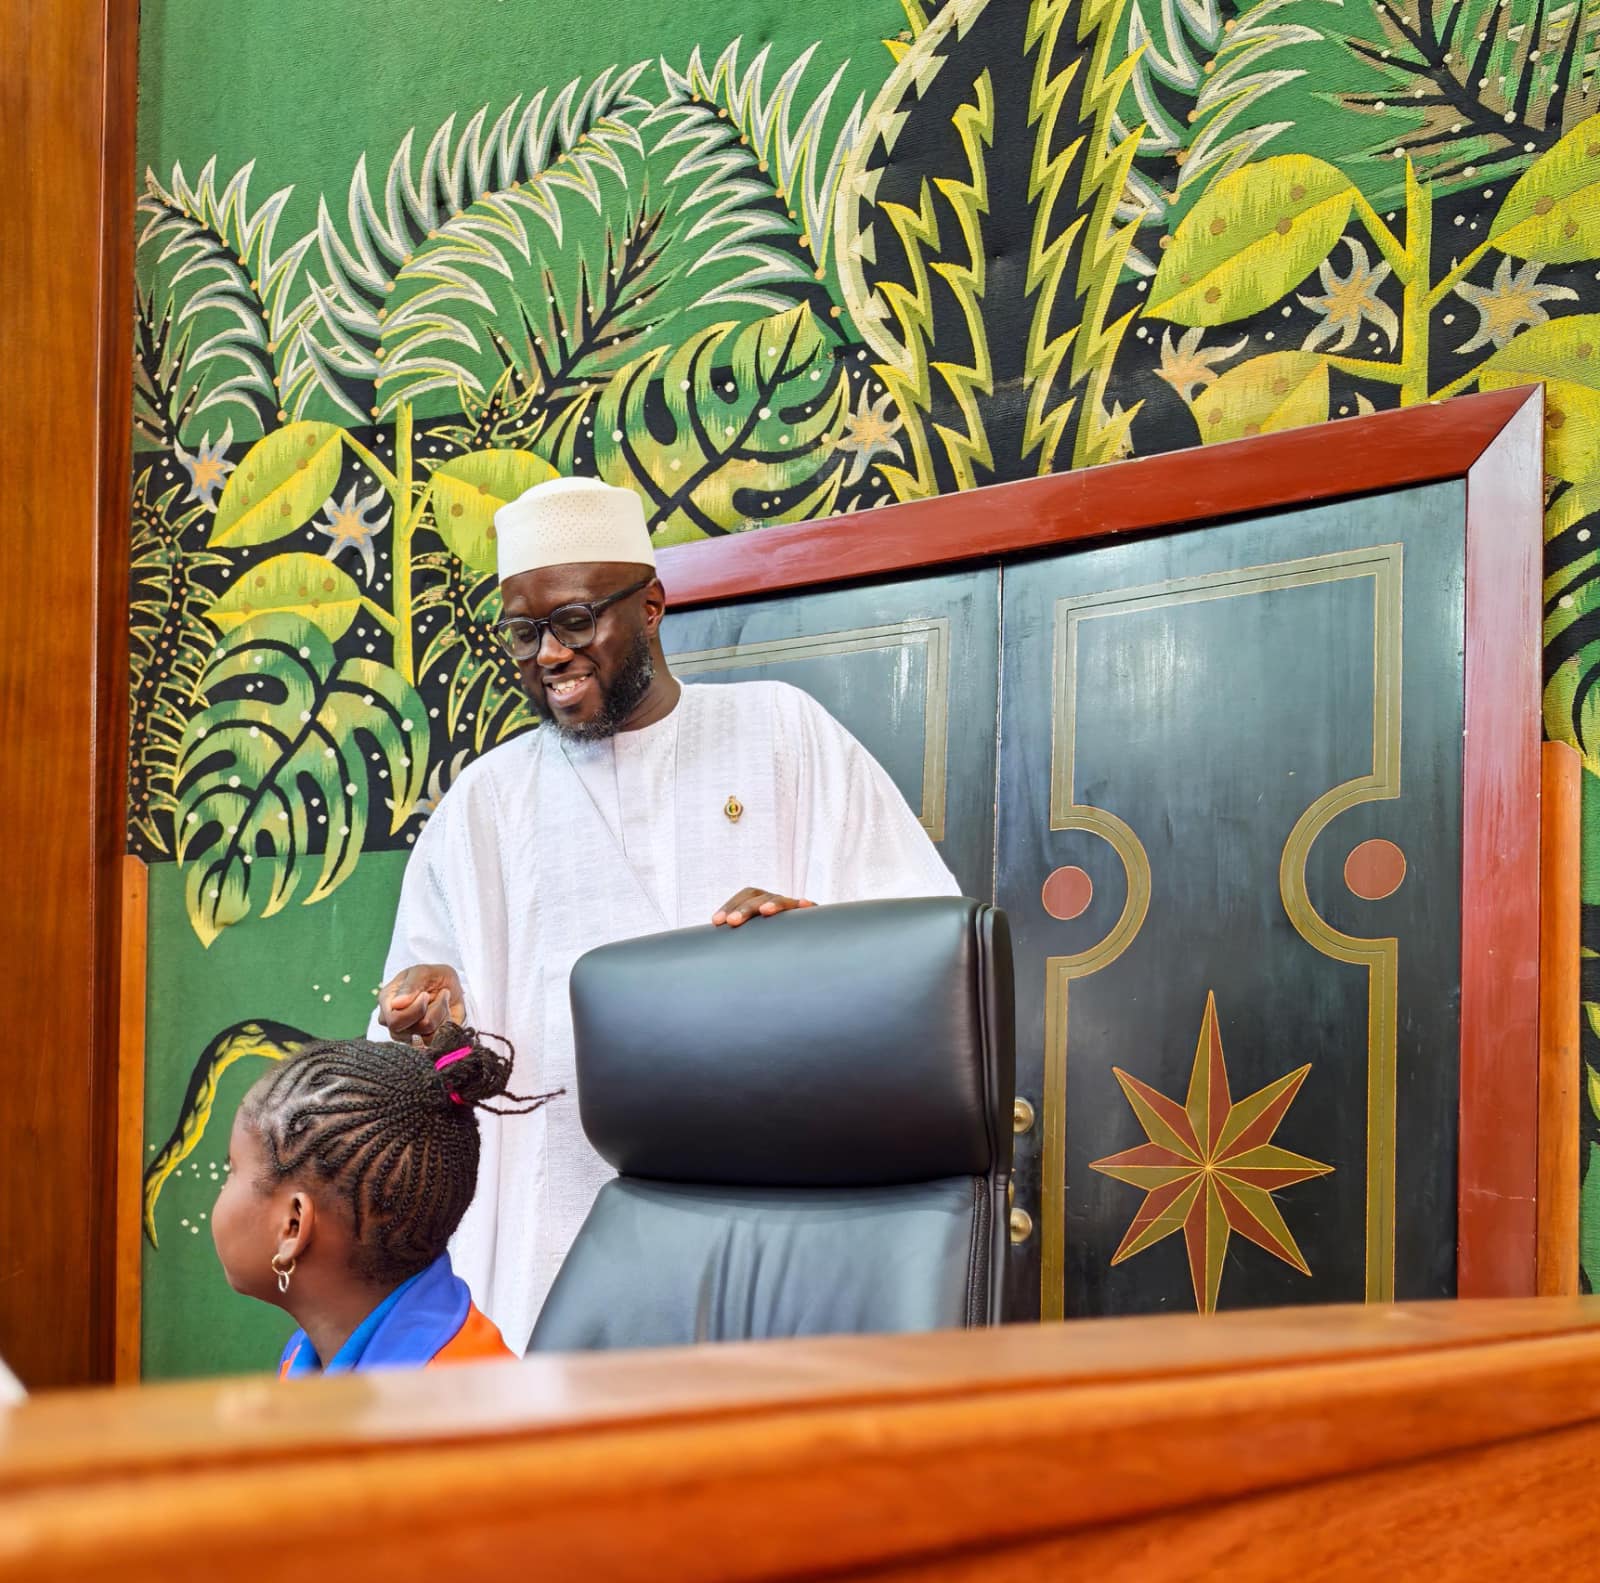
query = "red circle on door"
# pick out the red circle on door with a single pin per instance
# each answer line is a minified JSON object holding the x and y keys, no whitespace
{"x":1067,"y":893}
{"x":1375,"y":869}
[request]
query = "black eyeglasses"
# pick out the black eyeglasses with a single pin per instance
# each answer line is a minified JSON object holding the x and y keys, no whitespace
{"x":572,"y":626}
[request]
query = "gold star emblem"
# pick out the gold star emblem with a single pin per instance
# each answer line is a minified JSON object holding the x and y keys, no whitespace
{"x":1210,"y":1167}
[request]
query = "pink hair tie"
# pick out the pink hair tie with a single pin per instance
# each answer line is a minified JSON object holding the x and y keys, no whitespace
{"x":450,"y":1060}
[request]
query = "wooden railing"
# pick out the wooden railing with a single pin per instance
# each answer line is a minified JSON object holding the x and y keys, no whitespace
{"x":1447,"y":1441}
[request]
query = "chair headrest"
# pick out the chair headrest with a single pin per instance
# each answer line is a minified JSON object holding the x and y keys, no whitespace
{"x":855,"y":1045}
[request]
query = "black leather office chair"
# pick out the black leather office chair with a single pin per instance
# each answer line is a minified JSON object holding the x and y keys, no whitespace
{"x":811,"y":1118}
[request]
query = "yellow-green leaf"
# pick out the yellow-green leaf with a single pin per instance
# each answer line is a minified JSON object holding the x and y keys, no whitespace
{"x":1281,"y":390}
{"x":1571,"y":423}
{"x":1251,"y":239}
{"x":1594,"y":1076}
{"x":1552,"y":214}
{"x":470,"y":489}
{"x":281,"y":483}
{"x":1572,"y":432}
{"x":296,"y":584}
{"x":1565,"y":348}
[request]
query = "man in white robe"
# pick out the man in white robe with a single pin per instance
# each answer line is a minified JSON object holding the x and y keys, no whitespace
{"x":639,"y":805}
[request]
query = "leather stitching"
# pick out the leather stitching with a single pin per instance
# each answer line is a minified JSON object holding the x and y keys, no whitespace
{"x":976,"y":1274}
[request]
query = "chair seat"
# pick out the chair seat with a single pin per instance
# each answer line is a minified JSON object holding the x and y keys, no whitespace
{"x":750,"y":1263}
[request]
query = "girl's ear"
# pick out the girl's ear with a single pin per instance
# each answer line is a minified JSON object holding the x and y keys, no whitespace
{"x":296,"y":1226}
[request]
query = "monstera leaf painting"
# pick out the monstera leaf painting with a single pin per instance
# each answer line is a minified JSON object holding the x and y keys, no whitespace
{"x":727,"y":428}
{"x":274,"y":778}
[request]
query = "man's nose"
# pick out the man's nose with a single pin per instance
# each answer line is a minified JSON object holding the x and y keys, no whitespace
{"x":551,"y":651}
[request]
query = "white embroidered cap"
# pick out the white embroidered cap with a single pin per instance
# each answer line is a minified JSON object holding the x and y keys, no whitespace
{"x":567,"y":521}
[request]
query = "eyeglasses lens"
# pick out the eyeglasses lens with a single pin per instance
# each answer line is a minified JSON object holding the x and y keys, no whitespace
{"x":572,"y":628}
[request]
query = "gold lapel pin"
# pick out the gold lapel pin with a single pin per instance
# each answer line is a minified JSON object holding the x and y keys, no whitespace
{"x":733,"y":808}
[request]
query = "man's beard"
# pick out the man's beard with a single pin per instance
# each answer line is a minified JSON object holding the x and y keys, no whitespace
{"x":619,"y":700}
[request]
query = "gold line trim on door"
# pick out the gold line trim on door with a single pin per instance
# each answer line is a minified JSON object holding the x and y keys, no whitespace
{"x":1383,"y":563}
{"x":1380,"y":957}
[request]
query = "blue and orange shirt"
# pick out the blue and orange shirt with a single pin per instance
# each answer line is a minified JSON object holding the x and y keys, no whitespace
{"x":428,"y":1319}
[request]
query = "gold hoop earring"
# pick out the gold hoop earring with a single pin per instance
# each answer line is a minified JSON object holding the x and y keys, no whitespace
{"x":282,"y":1273}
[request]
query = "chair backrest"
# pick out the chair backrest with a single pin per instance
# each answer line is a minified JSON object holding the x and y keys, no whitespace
{"x":811,"y":1121}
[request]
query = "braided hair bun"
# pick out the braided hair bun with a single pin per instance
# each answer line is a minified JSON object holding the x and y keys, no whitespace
{"x":394,"y":1129}
{"x":470,"y":1072}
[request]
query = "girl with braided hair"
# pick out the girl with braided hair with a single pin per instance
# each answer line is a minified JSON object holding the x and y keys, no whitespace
{"x":350,"y":1166}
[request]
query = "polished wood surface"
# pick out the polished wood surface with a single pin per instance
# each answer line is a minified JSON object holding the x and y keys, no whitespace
{"x":1560,"y":993}
{"x":66,"y":235}
{"x":1499,"y":1142}
{"x":1153,"y":1448}
{"x":1388,"y":450}
{"x":1418,"y":1520}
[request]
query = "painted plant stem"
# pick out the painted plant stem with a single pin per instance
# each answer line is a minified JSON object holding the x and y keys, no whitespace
{"x":1410,"y":262}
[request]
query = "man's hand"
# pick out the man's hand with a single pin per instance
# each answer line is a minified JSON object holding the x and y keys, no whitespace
{"x":416,"y":1003}
{"x":753,"y":902}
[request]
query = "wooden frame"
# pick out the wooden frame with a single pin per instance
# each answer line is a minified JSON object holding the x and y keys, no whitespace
{"x":1560,"y":997}
{"x":129,"y":1218}
{"x":1494,"y":443}
{"x":66,"y":417}
{"x":118,"y":1249}
{"x":1340,"y":1443}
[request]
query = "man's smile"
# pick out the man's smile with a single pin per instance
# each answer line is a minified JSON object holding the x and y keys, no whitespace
{"x":566,"y":690}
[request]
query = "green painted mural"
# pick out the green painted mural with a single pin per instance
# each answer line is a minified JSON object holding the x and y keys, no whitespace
{"x":396,"y":263}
